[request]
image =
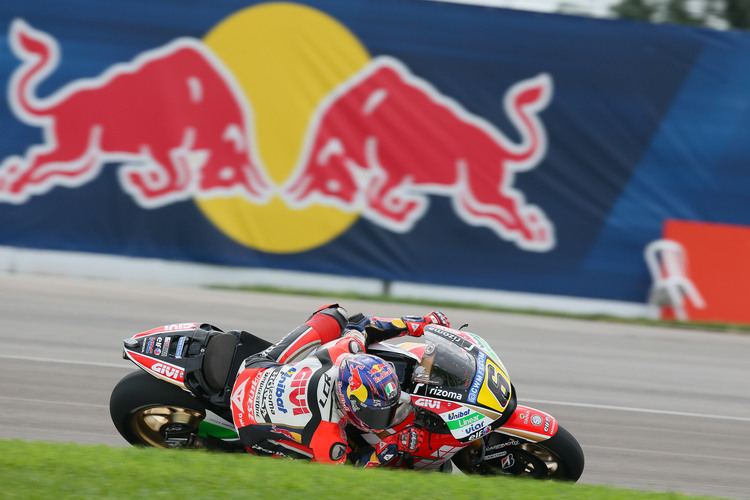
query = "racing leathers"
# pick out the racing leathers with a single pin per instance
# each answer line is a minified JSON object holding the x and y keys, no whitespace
{"x":283,"y":400}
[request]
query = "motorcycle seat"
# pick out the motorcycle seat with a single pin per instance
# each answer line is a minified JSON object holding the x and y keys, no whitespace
{"x":217,"y":360}
{"x":224,"y":354}
{"x":216,"y":356}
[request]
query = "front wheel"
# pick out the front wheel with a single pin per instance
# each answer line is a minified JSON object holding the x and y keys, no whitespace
{"x":150,"y":412}
{"x":559,"y":457}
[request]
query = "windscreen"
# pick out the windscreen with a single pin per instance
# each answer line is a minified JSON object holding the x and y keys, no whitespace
{"x":445,"y":364}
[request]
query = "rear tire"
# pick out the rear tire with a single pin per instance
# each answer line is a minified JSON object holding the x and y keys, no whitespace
{"x":150,"y":412}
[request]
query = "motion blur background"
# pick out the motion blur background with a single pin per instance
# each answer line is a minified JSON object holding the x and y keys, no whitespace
{"x":121,"y":158}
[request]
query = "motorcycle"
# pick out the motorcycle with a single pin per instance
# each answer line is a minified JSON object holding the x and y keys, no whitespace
{"x":459,"y":392}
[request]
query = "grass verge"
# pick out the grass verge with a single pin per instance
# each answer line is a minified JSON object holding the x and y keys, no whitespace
{"x":32,"y":470}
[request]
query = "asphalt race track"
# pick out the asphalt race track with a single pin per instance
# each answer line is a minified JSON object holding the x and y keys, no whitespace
{"x":653,"y":408}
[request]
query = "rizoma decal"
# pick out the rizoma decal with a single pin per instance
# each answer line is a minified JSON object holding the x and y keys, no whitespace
{"x":459,"y":341}
{"x":465,"y":340}
{"x":435,"y":391}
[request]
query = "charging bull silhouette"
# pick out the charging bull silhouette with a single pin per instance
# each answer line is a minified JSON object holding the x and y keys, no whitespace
{"x":385,"y":139}
{"x":173,"y":115}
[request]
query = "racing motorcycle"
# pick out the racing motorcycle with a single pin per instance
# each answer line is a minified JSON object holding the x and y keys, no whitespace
{"x":457,"y":385}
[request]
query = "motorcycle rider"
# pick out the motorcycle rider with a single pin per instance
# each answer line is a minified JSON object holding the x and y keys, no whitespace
{"x":291,"y":401}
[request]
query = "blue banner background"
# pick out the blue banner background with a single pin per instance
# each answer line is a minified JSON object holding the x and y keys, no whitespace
{"x":646,"y":123}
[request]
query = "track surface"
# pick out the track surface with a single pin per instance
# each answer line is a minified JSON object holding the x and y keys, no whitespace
{"x":653,"y":408}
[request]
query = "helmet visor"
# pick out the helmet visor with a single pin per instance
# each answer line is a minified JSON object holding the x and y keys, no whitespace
{"x":377,"y":419}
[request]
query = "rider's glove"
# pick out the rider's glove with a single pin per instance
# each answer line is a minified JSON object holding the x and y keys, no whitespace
{"x":405,"y":441}
{"x":416,"y":324}
{"x":409,"y":439}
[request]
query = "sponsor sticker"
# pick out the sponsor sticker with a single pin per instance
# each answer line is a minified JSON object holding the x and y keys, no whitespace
{"x":433,"y":404}
{"x":180,"y":347}
{"x":298,"y":394}
{"x":508,"y":462}
{"x":165,"y":348}
{"x":479,"y":378}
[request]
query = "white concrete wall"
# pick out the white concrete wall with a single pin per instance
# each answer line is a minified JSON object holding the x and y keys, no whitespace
{"x":113,"y":267}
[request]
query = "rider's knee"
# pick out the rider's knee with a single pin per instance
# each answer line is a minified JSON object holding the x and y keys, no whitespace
{"x":334,"y":311}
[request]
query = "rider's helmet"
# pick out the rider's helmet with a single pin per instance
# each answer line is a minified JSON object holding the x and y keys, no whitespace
{"x":368,"y":391}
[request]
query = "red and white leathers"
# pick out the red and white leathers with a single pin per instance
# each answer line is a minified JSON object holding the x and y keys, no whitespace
{"x":283,"y":400}
{"x":425,"y":450}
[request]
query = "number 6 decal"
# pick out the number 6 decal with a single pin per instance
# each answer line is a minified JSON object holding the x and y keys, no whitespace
{"x":498,"y":384}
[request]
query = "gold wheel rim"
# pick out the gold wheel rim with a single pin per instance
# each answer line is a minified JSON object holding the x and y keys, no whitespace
{"x":150,"y":424}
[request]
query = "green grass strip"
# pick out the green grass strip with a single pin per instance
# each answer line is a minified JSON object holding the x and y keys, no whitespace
{"x":30,"y":470}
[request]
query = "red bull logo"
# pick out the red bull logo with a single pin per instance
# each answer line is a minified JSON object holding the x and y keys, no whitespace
{"x":292,"y":436}
{"x":211,"y":120}
{"x":394,"y":156}
{"x":173,"y":117}
{"x":379,"y":372}
{"x":356,"y":387}
{"x":377,"y":368}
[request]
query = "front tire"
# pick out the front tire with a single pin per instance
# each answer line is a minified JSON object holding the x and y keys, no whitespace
{"x":559,"y":457}
{"x":150,"y":412}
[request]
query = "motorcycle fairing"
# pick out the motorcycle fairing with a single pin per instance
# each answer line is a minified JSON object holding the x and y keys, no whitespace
{"x":530,"y":424}
{"x":490,"y":386}
{"x":159,"y":351}
{"x":172,"y":329}
{"x":465,"y":422}
{"x":218,"y":427}
{"x":159,"y":368}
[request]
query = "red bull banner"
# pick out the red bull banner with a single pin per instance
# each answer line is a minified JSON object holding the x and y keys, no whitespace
{"x":403,"y":140}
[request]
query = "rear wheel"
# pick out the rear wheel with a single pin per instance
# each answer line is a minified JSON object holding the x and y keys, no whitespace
{"x":150,"y":412}
{"x":559,"y":457}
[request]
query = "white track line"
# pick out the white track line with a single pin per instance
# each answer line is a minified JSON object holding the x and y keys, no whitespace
{"x":127,"y":366}
{"x":47,"y":402}
{"x":637,"y":410}
{"x":532,"y":401}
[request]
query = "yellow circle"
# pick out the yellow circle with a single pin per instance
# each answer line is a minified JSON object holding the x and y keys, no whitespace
{"x":286,"y":58}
